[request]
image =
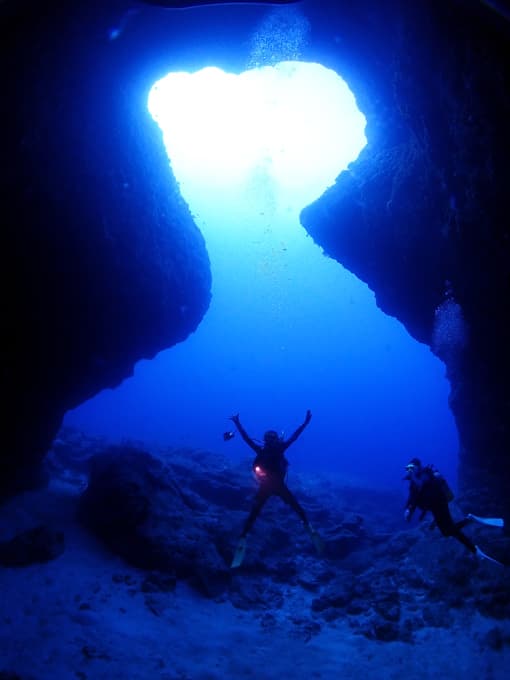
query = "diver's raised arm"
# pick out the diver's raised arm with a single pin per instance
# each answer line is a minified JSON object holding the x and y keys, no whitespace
{"x":243,"y":433}
{"x":300,"y":429}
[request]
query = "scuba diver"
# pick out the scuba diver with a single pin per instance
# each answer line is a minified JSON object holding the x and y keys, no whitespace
{"x":270,"y":469}
{"x":429,"y":491}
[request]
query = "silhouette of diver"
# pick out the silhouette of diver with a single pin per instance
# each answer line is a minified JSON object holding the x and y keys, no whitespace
{"x":429,"y":491}
{"x":270,"y":469}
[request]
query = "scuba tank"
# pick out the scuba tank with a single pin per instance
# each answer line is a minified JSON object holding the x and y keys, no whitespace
{"x":442,"y":484}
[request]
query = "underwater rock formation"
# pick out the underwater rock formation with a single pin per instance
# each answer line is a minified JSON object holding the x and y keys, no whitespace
{"x":422,"y":215}
{"x":174,"y":513}
{"x":39,"y":544}
{"x":105,"y":266}
{"x":102,"y":262}
{"x":136,"y":506}
{"x":153,"y":508}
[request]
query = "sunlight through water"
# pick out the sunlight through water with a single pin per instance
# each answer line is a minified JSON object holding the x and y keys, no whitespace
{"x":298,"y":122}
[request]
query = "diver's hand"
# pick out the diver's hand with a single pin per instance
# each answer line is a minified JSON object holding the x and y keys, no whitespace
{"x":308,"y":417}
{"x":235,"y":418}
{"x":407,"y":515}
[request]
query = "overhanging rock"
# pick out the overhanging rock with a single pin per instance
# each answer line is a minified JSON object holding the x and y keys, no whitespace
{"x":102,"y":262}
{"x":422,"y":216}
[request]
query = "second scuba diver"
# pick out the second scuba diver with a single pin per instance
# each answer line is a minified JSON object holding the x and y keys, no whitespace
{"x":429,"y":492}
{"x":270,"y":469}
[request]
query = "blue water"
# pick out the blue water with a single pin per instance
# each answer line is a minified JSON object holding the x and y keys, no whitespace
{"x":288,"y":329}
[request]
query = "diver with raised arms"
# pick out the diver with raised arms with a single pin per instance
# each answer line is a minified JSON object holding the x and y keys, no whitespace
{"x":270,"y":469}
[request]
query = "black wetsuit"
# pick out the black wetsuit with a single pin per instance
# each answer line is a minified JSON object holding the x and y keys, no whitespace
{"x":272,"y":469}
{"x":427,"y":493}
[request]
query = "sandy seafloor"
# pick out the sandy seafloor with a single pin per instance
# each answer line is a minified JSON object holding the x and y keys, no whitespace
{"x":84,"y":615}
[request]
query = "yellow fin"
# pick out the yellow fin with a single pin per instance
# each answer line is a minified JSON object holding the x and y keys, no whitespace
{"x":239,"y":554}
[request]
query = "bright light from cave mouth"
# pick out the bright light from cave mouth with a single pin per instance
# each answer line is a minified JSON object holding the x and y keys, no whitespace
{"x":296,"y":122}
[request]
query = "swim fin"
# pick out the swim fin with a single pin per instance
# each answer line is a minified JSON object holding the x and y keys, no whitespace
{"x":480,"y":553}
{"x":488,"y":521}
{"x":239,"y":553}
{"x":316,"y":539}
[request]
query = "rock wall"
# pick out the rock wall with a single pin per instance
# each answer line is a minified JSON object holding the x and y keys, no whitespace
{"x":422,"y":215}
{"x":103,"y":264}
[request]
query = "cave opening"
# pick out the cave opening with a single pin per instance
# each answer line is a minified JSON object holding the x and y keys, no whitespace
{"x":293,"y":127}
{"x":288,"y":328}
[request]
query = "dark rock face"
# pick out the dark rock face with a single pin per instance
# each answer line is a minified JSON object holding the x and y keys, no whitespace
{"x":422,"y":216}
{"x":40,"y":544}
{"x":103,"y":264}
{"x":134,"y":504}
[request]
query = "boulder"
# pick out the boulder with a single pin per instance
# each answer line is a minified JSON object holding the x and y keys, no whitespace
{"x":135,"y":506}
